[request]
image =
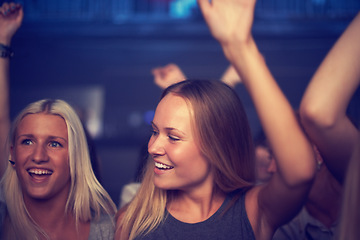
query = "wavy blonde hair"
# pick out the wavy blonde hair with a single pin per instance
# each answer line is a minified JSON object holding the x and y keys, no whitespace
{"x":221,"y":127}
{"x":87,"y":199}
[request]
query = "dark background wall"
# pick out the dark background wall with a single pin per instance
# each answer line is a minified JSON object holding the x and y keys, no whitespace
{"x":98,"y":55}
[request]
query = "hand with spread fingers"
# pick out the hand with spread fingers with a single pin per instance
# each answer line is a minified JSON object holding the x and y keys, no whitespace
{"x":168,"y":75}
{"x":231,"y":77}
{"x":229,"y":20}
{"x":11,"y":16}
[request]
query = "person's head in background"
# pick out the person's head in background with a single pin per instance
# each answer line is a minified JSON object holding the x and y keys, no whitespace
{"x":265,"y":165}
{"x":49,"y":162}
{"x":325,"y":186}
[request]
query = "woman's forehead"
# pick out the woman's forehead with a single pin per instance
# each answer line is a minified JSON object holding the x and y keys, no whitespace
{"x":41,"y":123}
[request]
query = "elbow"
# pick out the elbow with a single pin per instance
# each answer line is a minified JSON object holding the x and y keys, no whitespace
{"x":308,"y":176}
{"x":302,"y":179}
{"x":302,"y":173}
{"x":299,"y":181}
{"x":317,"y":117}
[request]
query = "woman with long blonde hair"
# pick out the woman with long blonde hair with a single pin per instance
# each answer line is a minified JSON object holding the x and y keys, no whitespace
{"x":49,"y":188}
{"x":199,"y":181}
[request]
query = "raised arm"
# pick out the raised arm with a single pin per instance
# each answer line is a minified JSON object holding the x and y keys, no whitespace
{"x":11,"y":16}
{"x":323,"y":107}
{"x":167,"y":75}
{"x":171,"y":74}
{"x":230,"y":77}
{"x":268,"y":206}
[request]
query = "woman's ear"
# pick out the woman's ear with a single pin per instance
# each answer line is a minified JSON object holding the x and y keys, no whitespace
{"x":11,"y":156}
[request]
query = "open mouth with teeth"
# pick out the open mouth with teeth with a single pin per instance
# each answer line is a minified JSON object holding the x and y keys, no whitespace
{"x":162,"y":166}
{"x":39,"y":172}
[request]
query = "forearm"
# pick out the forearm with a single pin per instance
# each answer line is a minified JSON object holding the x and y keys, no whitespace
{"x":4,"y":89}
{"x":5,"y":39}
{"x":11,"y":16}
{"x":323,"y":108}
{"x":4,"y":110}
{"x":290,"y":146}
{"x":336,"y":79}
{"x":4,"y":105}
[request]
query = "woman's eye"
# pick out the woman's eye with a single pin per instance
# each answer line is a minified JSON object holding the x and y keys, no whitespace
{"x":55,"y":144}
{"x":154,"y":132}
{"x":26,"y":142}
{"x":173,"y":138}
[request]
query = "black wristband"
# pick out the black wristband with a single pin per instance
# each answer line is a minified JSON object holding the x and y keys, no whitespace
{"x":6,"y":51}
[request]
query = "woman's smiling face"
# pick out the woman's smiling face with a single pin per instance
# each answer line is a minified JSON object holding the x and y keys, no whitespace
{"x":41,"y":156}
{"x":178,"y":162}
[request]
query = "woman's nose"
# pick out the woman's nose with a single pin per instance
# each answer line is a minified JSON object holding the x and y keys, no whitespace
{"x":40,"y":154}
{"x":156,"y":146}
{"x":272,"y":166}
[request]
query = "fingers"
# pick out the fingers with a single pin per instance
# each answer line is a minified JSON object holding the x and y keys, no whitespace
{"x":5,"y":8}
{"x":172,"y":67}
{"x":158,"y":77}
{"x":231,"y":77}
{"x":155,"y":72}
{"x":161,"y":76}
{"x":204,"y":4}
{"x":9,"y":8}
{"x":11,"y":16}
{"x":167,"y":75}
{"x":161,"y":71}
{"x":205,"y":7}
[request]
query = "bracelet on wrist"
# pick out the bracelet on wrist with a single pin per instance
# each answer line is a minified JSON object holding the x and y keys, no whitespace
{"x":6,"y":51}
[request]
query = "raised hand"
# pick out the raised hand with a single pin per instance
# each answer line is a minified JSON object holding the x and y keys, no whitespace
{"x":168,"y":75}
{"x":11,"y":16}
{"x":231,"y":77}
{"x":229,"y":20}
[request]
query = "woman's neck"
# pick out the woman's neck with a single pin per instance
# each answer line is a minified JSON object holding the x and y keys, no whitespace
{"x":52,"y":217}
{"x":192,"y":207}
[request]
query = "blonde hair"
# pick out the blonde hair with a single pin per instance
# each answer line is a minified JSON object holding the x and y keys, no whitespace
{"x":221,"y":127}
{"x":350,"y":214}
{"x":87,"y":199}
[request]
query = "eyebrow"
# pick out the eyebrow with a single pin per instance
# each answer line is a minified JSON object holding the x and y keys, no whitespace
{"x":153,"y":124}
{"x":168,"y":128}
{"x":32,"y":136}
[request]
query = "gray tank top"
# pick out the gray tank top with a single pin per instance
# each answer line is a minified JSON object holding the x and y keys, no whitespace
{"x":226,"y":223}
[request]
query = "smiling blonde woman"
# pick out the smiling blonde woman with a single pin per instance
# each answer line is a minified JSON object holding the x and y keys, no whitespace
{"x":49,"y":188}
